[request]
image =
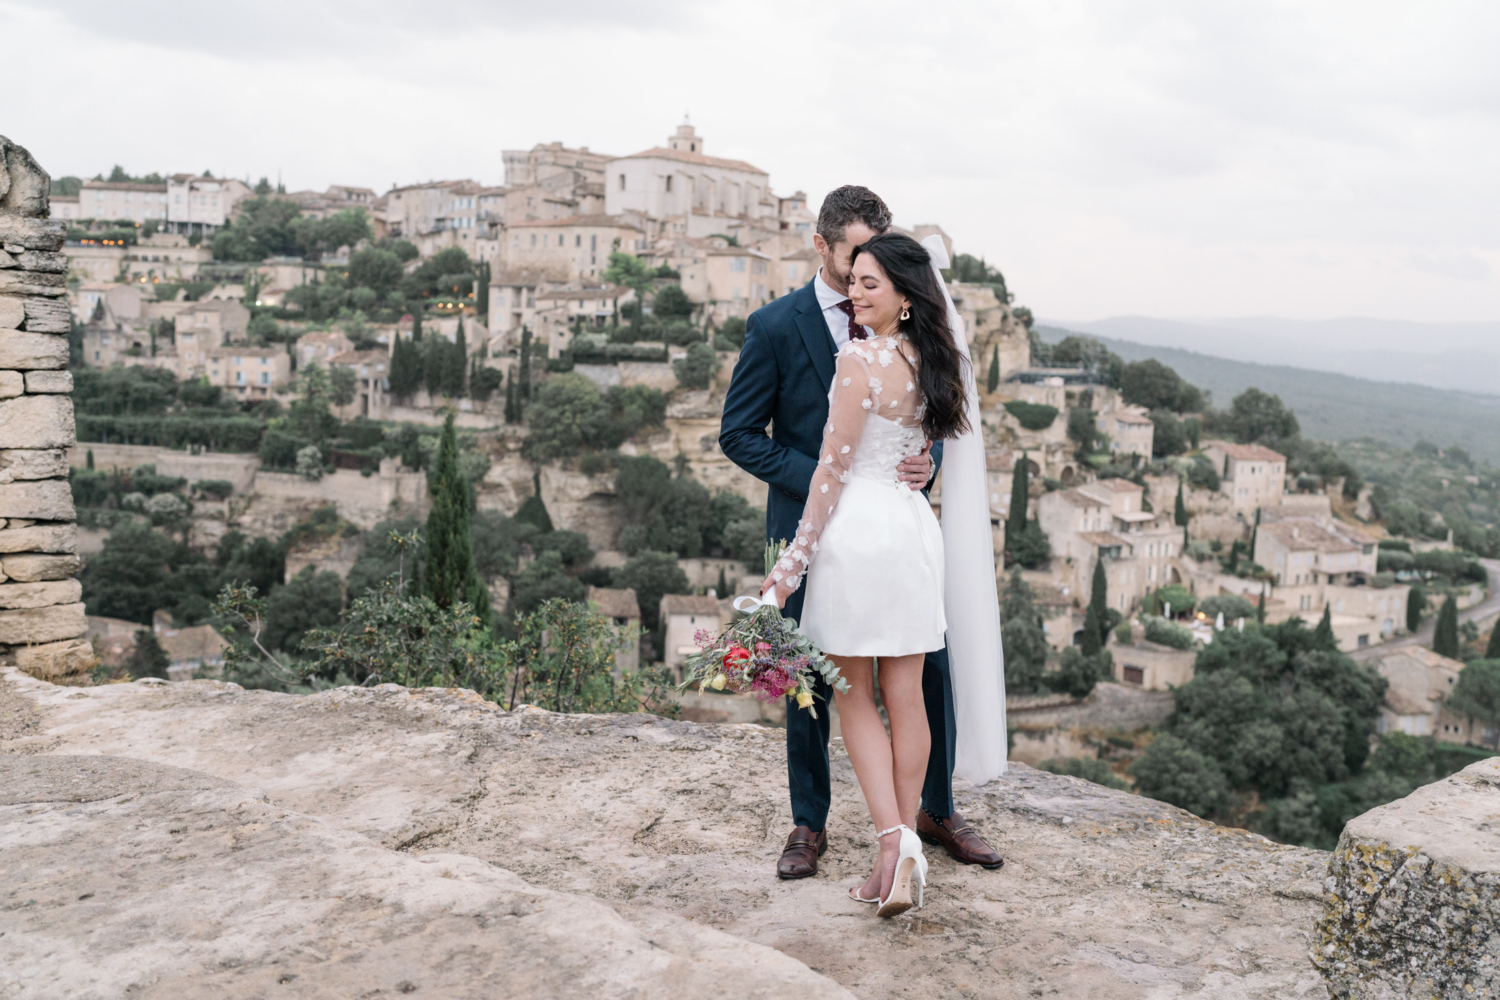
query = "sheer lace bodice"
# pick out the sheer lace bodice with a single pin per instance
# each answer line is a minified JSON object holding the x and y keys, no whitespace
{"x":874,"y":421}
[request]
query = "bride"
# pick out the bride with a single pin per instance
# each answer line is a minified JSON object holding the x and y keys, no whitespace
{"x":870,"y":546}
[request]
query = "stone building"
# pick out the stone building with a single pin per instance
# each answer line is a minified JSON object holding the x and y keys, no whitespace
{"x":623,"y":610}
{"x":41,"y":613}
{"x":202,"y":205}
{"x":1130,"y":431}
{"x":1106,"y":520}
{"x":683,"y":615}
{"x":1252,"y":475}
{"x":118,"y":200}
{"x":249,"y":372}
{"x":571,"y":249}
{"x":372,"y":383}
{"x":435,"y":215}
{"x":321,"y":346}
{"x":705,"y":194}
{"x":1419,"y":684}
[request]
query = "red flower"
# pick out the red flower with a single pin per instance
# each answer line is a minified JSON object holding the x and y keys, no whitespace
{"x":736,"y":658}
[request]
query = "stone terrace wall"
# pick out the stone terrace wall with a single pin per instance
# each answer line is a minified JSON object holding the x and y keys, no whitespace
{"x":41,"y":615}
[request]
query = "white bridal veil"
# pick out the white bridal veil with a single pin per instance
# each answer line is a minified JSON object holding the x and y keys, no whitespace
{"x":976,"y":659}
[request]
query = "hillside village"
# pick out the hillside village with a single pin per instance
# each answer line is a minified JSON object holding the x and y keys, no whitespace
{"x":261,"y":377}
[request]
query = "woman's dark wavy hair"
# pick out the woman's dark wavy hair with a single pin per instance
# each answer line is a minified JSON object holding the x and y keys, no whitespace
{"x":940,"y":364}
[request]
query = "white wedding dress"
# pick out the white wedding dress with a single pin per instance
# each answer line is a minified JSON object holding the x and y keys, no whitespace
{"x":882,"y":577}
{"x":869,"y":544}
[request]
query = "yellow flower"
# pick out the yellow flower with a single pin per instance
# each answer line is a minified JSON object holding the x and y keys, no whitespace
{"x":718,"y":682}
{"x":804,"y":698}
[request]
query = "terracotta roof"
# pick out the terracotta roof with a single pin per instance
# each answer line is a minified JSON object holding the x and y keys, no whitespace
{"x":681,"y":156}
{"x":1245,"y":452}
{"x":1103,"y":538}
{"x":123,"y":186}
{"x":1078,"y":498}
{"x":358,"y":357}
{"x":319,"y":336}
{"x":198,"y":642}
{"x":1118,"y":485}
{"x":806,"y":254}
{"x":614,"y":603}
{"x":603,"y":221}
{"x":1126,"y":417}
{"x":688,"y":604}
{"x":1306,"y":535}
{"x":247,"y":352}
{"x":737,"y":252}
{"x":606,"y":292}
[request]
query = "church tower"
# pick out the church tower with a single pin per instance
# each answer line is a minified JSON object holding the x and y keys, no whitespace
{"x":686,"y":139}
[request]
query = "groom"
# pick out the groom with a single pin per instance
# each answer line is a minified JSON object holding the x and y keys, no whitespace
{"x":782,"y":379}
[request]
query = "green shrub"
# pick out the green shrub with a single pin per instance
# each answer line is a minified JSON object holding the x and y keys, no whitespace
{"x":1161,"y":631}
{"x":1088,"y":768}
{"x":1231,"y":605}
{"x":1032,"y":416}
{"x":219,"y":489}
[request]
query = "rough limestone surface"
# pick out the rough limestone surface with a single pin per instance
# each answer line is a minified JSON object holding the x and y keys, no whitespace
{"x":12,"y":312}
{"x":24,"y":185}
{"x":40,"y":595}
{"x":68,"y":659}
{"x":198,"y":886}
{"x":42,"y":381}
{"x":31,"y":567}
{"x":672,"y":827}
{"x":1414,"y":895}
{"x":36,"y":421}
{"x":55,"y":538}
{"x":48,"y":463}
{"x":25,"y":626}
{"x":32,"y":350}
{"x":39,"y":500}
{"x":12,"y":384}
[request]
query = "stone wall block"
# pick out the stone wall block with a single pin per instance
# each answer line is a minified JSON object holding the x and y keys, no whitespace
{"x":40,"y":595}
{"x":47,"y":316}
{"x":16,"y":282}
{"x":41,"y":260}
{"x":32,"y":350}
{"x":24,"y":185}
{"x":1412,"y":898}
{"x":11,"y":385}
{"x":26,"y":464}
{"x":52,"y":660}
{"x":31,"y":422}
{"x":12,"y":312}
{"x":32,"y":234}
{"x":32,"y":568}
{"x":47,"y":538}
{"x":42,"y":500}
{"x":49,"y":381}
{"x":35,"y":625}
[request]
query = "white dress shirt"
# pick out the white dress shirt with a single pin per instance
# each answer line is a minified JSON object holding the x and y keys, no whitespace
{"x":835,"y":317}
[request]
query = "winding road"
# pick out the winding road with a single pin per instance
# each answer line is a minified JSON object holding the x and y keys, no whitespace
{"x":1423,"y":636}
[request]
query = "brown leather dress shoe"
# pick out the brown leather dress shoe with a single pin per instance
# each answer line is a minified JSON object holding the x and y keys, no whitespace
{"x":959,"y":838}
{"x":799,"y":858}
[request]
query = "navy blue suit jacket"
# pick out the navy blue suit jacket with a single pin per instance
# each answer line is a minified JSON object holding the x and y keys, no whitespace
{"x":782,"y":379}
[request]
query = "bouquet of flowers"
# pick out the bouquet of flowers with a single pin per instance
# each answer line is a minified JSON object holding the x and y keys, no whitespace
{"x":762,"y":652}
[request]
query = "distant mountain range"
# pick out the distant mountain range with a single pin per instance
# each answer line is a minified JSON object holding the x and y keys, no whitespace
{"x":1464,"y":356}
{"x":1329,"y":406}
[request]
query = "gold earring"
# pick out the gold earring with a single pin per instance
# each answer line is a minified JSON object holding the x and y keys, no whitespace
{"x":905,"y":314}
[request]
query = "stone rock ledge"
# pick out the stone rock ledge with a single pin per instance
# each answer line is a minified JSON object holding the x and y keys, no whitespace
{"x":163,"y":882}
{"x":1413,"y":895}
{"x":1103,"y":894}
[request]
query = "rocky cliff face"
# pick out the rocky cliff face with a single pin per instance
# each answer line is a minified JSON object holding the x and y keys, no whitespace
{"x":198,"y":839}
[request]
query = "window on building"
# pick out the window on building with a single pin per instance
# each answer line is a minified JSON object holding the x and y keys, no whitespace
{"x":265,"y":378}
{"x":578,"y":240}
{"x":669,"y":182}
{"x":533,"y":239}
{"x":736,"y":263}
{"x":622,"y":182}
{"x":239,"y":378}
{"x":593,"y":242}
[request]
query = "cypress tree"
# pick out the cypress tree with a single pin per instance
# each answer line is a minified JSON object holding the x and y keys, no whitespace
{"x":147,"y":659}
{"x":90,"y":460}
{"x":434,"y":354}
{"x":533,"y":509}
{"x":1492,"y":648}
{"x":416,"y":325}
{"x":1416,"y":600}
{"x":455,"y":363}
{"x":482,"y":289}
{"x":992,"y":382}
{"x":1179,"y":509}
{"x":723,"y":588}
{"x":1089,"y":643}
{"x":1099,"y":604}
{"x":1323,"y":634}
{"x":1445,"y":636}
{"x":510,"y":397}
{"x":1020,"y":483}
{"x":450,"y":575}
{"x":1260,"y":612}
{"x":523,"y":392}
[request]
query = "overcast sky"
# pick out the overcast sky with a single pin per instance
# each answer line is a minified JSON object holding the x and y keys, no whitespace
{"x":1309,"y":159}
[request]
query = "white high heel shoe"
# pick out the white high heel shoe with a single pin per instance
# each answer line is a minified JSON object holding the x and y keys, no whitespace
{"x":909,"y":862}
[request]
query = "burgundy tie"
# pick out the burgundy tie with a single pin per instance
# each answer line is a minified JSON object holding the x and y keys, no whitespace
{"x":856,"y":332}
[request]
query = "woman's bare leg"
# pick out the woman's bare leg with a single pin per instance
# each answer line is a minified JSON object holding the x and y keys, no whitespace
{"x":889,"y":776}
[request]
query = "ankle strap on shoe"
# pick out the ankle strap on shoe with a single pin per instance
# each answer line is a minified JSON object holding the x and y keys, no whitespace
{"x":898,"y":826}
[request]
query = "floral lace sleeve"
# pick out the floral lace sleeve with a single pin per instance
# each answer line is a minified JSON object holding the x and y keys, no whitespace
{"x":855,"y":392}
